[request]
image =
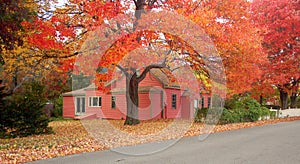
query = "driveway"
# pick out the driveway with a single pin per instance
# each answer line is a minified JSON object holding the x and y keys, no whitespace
{"x":277,"y":143}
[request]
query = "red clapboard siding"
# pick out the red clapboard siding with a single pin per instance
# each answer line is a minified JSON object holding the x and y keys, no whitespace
{"x":170,"y":112}
{"x":185,"y":107}
{"x":144,"y":106}
{"x":156,"y":106}
{"x":68,"y":107}
{"x":114,"y":113}
{"x":150,"y":81}
{"x":150,"y":103}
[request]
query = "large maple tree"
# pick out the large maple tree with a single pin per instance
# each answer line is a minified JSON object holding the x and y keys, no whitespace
{"x":226,"y":22}
{"x":135,"y":54}
{"x":280,"y":21}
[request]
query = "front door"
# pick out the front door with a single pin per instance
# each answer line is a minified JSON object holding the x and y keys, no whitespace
{"x":80,"y":105}
{"x":185,"y":106}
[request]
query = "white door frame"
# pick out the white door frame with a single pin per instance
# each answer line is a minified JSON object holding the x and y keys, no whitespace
{"x":82,"y":105}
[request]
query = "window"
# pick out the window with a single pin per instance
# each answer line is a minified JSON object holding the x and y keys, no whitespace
{"x":95,"y":101}
{"x":113,"y":102}
{"x":174,"y":101}
{"x":208,"y":102}
{"x":202,"y":102}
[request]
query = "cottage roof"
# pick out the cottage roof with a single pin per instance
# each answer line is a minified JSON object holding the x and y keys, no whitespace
{"x":142,"y":89}
{"x":78,"y":92}
{"x":162,"y":76}
{"x":159,"y":74}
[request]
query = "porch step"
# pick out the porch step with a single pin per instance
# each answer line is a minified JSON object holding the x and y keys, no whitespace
{"x":86,"y":117}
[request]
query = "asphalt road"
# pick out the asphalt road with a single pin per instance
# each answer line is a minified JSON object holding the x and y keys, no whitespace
{"x":277,"y":143}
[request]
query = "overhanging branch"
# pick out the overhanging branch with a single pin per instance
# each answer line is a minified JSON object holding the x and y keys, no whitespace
{"x":149,"y":67}
{"x":124,"y":70}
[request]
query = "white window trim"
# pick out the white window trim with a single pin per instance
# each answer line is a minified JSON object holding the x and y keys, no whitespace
{"x":92,"y":99}
{"x":196,"y":101}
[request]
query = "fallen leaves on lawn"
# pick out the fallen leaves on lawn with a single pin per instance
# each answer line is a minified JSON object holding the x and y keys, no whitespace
{"x":72,"y":137}
{"x":112,"y":133}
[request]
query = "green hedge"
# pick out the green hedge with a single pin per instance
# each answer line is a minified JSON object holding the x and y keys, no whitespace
{"x":238,"y":109}
{"x":244,"y":115}
{"x":200,"y":115}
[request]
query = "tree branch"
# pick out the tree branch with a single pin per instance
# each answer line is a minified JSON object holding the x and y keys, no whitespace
{"x":135,"y":3}
{"x":124,"y":70}
{"x":172,"y":70}
{"x":149,"y":67}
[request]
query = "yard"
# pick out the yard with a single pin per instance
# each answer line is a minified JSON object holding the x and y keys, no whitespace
{"x":73,"y":136}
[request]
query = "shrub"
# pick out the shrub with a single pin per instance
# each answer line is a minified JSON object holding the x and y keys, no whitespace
{"x":232,"y":103}
{"x":254,"y":114}
{"x":58,"y":105}
{"x":245,"y":102}
{"x":239,"y":109}
{"x":234,"y":116}
{"x":23,"y":115}
{"x":272,"y":114}
{"x":244,"y":109}
{"x":200,"y":114}
{"x":249,"y":102}
{"x":227,"y":117}
{"x":265,"y":113}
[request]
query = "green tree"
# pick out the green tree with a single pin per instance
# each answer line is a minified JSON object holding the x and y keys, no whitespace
{"x":22,"y":113}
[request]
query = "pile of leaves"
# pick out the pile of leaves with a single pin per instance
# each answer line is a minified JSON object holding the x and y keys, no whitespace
{"x":73,"y":136}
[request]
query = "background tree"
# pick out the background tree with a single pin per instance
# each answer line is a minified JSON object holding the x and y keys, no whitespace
{"x":12,"y":14}
{"x":235,"y":36}
{"x":280,"y":20}
{"x":46,"y":43}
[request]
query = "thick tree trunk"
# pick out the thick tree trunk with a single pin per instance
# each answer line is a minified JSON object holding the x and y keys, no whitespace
{"x":139,"y":8}
{"x":283,"y":99}
{"x":132,"y":99}
{"x":293,"y":99}
{"x":2,"y":94}
{"x":132,"y":94}
{"x":261,"y":99}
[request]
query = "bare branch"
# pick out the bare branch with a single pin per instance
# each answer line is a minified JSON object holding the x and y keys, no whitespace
{"x":135,"y":3}
{"x":124,"y":70}
{"x":149,"y":67}
{"x":172,"y":70}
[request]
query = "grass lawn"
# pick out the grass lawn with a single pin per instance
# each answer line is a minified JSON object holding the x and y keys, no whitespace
{"x":73,"y":136}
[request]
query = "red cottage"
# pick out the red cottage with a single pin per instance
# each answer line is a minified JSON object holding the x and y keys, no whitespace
{"x":158,"y":98}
